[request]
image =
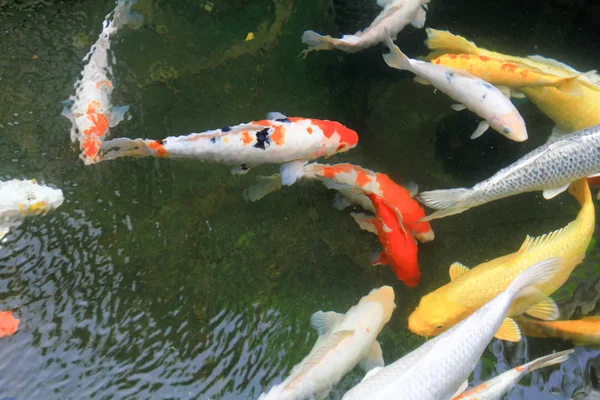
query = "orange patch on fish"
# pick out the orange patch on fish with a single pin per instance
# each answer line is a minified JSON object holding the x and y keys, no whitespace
{"x":509,"y":67}
{"x":8,"y":323}
{"x":484,"y":58}
{"x":438,"y":61}
{"x":158,"y":148}
{"x":91,"y":146}
{"x":362,"y":179}
{"x":264,"y":122}
{"x":309,"y":130}
{"x":465,"y":56}
{"x":246,"y":138}
{"x":104,"y":84}
{"x":278,"y":135}
{"x":452,"y":56}
{"x":524,"y":73}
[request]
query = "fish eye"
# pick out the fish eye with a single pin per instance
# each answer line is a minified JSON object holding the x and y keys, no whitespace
{"x":439,"y":326}
{"x":506,"y":130}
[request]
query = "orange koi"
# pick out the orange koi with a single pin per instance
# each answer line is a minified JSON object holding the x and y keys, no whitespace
{"x":8,"y":323}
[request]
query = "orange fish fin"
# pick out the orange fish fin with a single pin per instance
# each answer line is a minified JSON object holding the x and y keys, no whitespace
{"x":546,"y":310}
{"x":456,"y":270}
{"x":365,"y":222}
{"x":509,"y":331}
{"x":380,"y":259}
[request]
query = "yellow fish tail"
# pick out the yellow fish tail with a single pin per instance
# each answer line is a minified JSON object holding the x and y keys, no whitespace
{"x":581,"y":191}
{"x":444,"y":41}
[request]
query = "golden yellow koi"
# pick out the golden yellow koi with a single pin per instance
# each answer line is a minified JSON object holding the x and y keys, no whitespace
{"x":471,"y":289}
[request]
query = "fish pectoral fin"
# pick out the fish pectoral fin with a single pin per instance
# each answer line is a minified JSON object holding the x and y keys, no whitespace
{"x":323,"y":393}
{"x":275,"y":115}
{"x":240,"y":169}
{"x":481,"y":128}
{"x":341,"y":202}
{"x":365,"y":222}
{"x":371,"y":373}
{"x":373,"y":359}
{"x":556,"y":134}
{"x":264,"y":186}
{"x":463,"y":386}
{"x":422,"y":81}
{"x":412,"y":188}
{"x":546,"y":310}
{"x":324,"y":321}
{"x":509,"y":331}
{"x":551,"y":193}
{"x":457,"y":269}
{"x":458,"y":107}
{"x":291,"y":171}
{"x":505,"y":90}
{"x":66,"y":112}
{"x":419,"y":21}
{"x":516,"y":94}
{"x":379,"y":259}
{"x":117,"y":114}
{"x":571,"y":86}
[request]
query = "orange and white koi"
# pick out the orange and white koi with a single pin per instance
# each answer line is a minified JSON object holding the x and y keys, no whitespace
{"x":399,"y":247}
{"x":8,"y":323}
{"x":585,"y":331}
{"x":289,"y":141}
{"x":471,"y":92}
{"x":497,"y":387}
{"x":91,"y":112}
{"x":396,"y":14}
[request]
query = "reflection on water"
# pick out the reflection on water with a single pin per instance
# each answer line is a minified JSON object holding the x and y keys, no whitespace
{"x":156,"y":280}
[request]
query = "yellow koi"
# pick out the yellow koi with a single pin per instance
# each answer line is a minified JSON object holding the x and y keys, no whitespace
{"x":471,"y":289}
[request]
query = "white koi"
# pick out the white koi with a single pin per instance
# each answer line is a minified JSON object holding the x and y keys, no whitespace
{"x":91,"y":112}
{"x":472,"y":93}
{"x":19,"y":199}
{"x":277,"y":140}
{"x":345,"y":340}
{"x":395,"y":16}
{"x":438,"y":370}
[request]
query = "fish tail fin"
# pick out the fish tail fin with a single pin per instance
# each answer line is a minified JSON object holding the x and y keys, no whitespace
{"x":447,"y":201}
{"x":445,"y":41}
{"x":124,"y":147}
{"x":316,"y":42}
{"x":395,"y":58}
{"x":547,"y":361}
{"x":264,"y":186}
{"x":580,"y":189}
{"x":570,"y":86}
{"x":124,"y":15}
{"x":538,"y":273}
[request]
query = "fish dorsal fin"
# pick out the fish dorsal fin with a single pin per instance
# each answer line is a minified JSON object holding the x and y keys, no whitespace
{"x":275,"y":115}
{"x":463,"y":386}
{"x":509,"y":331}
{"x":552,"y":62}
{"x":456,"y":270}
{"x":324,"y":321}
{"x":546,"y":310}
{"x":448,"y":42}
{"x":330,"y":345}
{"x":373,"y":359}
{"x":532,"y":244}
{"x":365,"y":222}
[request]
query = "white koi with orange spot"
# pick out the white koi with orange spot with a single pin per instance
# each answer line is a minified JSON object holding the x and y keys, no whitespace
{"x":345,"y":340}
{"x":497,"y":387}
{"x":277,"y":140}
{"x":91,"y":111}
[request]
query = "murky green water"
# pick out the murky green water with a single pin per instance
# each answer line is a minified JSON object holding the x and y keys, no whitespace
{"x":156,"y":280}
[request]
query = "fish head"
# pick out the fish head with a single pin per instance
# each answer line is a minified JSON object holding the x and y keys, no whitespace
{"x":435,"y":314}
{"x":340,"y":138}
{"x":384,"y":297}
{"x":510,"y":125}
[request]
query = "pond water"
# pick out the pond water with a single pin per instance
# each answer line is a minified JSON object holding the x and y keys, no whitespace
{"x":156,"y":280}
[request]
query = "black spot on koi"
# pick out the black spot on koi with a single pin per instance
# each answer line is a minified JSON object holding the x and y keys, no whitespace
{"x":213,"y":140}
{"x":449,"y":76}
{"x":225,"y":129}
{"x":262,"y":139}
